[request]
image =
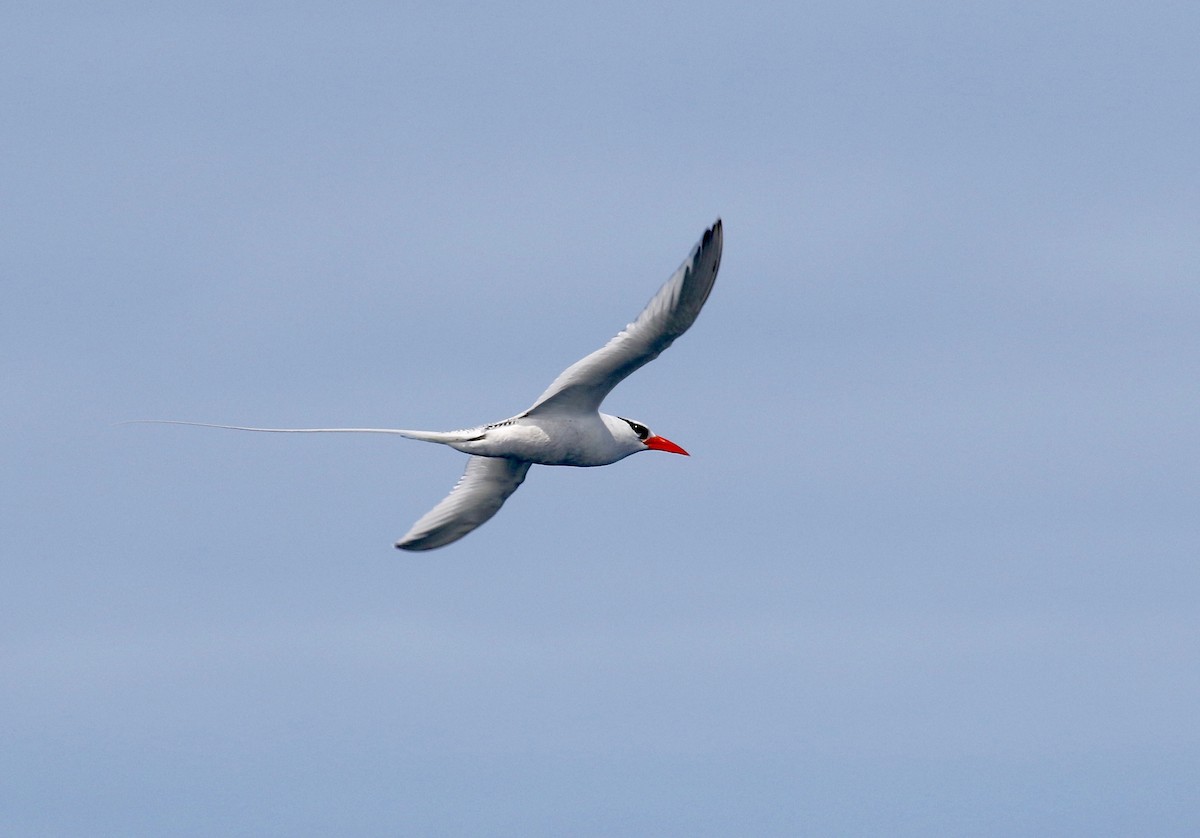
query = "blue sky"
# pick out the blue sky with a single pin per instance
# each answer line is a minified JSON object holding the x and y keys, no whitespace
{"x":931,"y":567}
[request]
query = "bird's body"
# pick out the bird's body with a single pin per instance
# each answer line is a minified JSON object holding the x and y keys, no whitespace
{"x":554,"y":440}
{"x":564,"y":427}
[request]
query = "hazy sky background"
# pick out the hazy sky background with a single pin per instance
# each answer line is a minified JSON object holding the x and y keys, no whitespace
{"x":932,"y":567}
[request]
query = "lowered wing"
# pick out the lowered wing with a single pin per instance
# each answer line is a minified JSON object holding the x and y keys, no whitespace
{"x":478,"y":495}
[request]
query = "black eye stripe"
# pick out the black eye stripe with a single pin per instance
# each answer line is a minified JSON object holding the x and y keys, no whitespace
{"x":641,"y":430}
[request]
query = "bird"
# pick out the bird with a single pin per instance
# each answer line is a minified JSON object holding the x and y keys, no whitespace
{"x":564,"y":427}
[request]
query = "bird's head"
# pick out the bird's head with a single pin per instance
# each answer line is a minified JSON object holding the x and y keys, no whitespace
{"x":647,"y":440}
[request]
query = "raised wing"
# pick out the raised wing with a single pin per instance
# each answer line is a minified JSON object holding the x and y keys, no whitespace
{"x":478,"y":495}
{"x":584,"y":384}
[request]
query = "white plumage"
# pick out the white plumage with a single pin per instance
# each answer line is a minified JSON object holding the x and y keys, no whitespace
{"x":564,"y":426}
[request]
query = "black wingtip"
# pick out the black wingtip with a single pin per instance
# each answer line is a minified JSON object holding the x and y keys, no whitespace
{"x":712,"y":231}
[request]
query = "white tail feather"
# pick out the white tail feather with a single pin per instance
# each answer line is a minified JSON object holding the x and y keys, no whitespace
{"x":424,"y":436}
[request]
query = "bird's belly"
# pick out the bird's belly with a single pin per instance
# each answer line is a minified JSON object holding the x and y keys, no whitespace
{"x":563,"y":444}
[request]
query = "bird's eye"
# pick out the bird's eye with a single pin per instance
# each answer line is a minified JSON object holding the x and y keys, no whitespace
{"x":641,"y":430}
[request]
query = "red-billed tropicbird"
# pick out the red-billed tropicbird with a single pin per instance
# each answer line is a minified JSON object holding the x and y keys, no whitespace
{"x":564,"y":427}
